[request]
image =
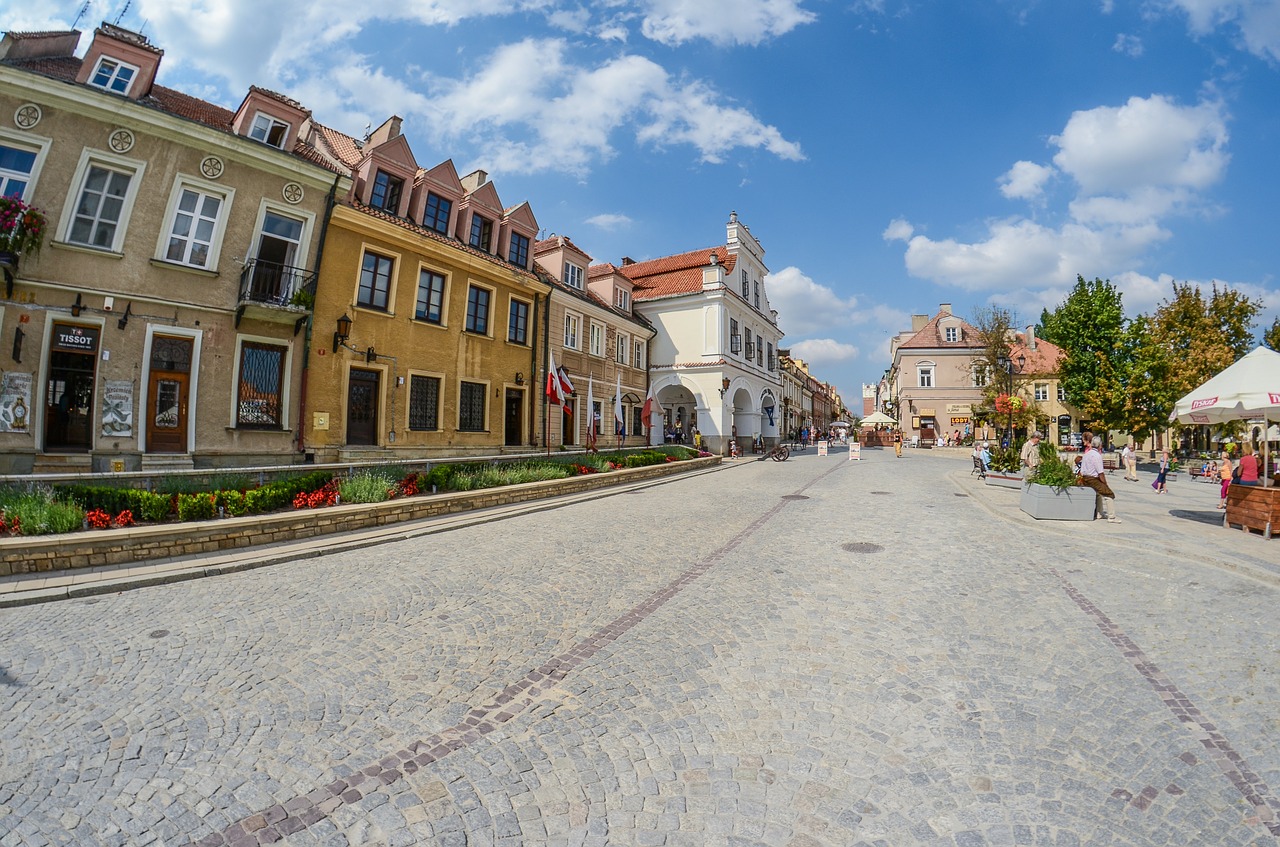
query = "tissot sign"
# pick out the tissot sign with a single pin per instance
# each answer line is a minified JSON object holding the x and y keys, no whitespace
{"x":81,"y":339}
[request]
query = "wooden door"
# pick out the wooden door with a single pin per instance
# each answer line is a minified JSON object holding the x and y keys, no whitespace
{"x":514,"y":417}
{"x":362,"y":407}
{"x":168,"y":394}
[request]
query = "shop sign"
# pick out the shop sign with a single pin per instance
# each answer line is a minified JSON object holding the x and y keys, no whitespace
{"x":80,"y":339}
{"x":958,"y":421}
{"x":959,"y":409}
{"x":15,"y":402}
{"x":117,"y":407}
{"x":927,"y":413}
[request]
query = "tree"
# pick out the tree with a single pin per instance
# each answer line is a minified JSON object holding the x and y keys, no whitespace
{"x":996,"y":330}
{"x":1203,"y":336}
{"x":1146,"y":398}
{"x":1090,"y":328}
{"x":1271,"y":337}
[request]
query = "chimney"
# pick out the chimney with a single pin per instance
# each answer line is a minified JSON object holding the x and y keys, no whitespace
{"x":713,"y":273}
{"x":945,"y":308}
{"x":918,"y":322}
{"x":627,"y":260}
{"x":1031,"y":337}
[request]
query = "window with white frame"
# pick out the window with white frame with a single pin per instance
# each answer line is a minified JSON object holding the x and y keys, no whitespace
{"x":268,"y":130}
{"x":952,"y":333}
{"x":195,"y":226}
{"x":622,"y":299}
{"x":924,"y":376}
{"x":1042,"y":391}
{"x":597,"y":339}
{"x":620,"y":354}
{"x":572,"y":276}
{"x":757,"y":297}
{"x":16,"y":167}
{"x":1062,"y":393}
{"x":260,"y":393}
{"x":571,"y":326}
{"x":638,"y":361}
{"x":759,"y":350}
{"x":980,"y":376}
{"x":746,"y":285}
{"x":100,"y":207}
{"x":113,"y":75}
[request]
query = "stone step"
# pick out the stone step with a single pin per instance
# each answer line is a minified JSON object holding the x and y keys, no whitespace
{"x":62,"y":463}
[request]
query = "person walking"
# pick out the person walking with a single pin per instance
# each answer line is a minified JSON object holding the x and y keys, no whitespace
{"x":1130,"y":458}
{"x":1093,"y":474}
{"x":1163,"y":474}
{"x":1031,"y":454}
{"x":1225,"y":469}
{"x":897,"y":443}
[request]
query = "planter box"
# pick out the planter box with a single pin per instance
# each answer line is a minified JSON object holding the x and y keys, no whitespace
{"x":1044,"y":503}
{"x":1004,"y":480}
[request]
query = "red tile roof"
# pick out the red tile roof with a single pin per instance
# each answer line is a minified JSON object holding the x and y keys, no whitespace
{"x":276,"y":95}
{"x":672,"y":275}
{"x":1045,"y":360}
{"x":345,"y":148}
{"x":191,"y":108}
{"x":931,"y":335}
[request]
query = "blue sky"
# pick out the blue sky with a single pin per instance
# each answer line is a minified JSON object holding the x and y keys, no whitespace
{"x":889,"y":155}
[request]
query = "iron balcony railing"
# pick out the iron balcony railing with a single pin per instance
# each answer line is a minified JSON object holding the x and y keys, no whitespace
{"x":274,"y":284}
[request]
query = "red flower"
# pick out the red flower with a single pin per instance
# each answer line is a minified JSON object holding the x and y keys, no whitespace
{"x":125,"y":518}
{"x":98,"y":519}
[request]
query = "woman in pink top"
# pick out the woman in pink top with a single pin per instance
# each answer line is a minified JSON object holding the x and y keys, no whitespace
{"x":1249,"y":469}
{"x":1224,"y":472}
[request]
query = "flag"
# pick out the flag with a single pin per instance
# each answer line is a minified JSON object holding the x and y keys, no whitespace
{"x":621,"y":428}
{"x":555,"y":388}
{"x":591,"y":414}
{"x":650,"y":406}
{"x":566,"y":387}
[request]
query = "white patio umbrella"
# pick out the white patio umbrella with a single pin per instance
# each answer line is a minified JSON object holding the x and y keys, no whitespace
{"x":1250,"y":388}
{"x":877,"y":418}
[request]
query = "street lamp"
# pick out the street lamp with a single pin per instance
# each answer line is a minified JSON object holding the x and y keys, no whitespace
{"x":1010,"y":368}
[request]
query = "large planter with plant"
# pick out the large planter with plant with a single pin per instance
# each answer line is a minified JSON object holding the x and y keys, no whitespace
{"x":1005,"y":469}
{"x":1051,"y":493}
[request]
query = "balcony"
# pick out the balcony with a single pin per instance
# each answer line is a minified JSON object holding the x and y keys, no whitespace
{"x":270,"y":291}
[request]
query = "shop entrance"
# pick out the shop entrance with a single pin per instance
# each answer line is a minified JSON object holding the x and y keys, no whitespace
{"x":362,"y":407}
{"x":168,"y":394}
{"x":514,"y":416}
{"x":73,"y":360}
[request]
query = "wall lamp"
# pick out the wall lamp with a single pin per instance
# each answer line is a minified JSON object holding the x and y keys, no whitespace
{"x":124,"y":319}
{"x":343,"y":332}
{"x":724,"y":386}
{"x":76,"y":307}
{"x":519,"y":378}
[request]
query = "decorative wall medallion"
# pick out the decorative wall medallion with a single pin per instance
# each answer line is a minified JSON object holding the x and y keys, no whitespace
{"x":211,"y":167}
{"x":121,"y":141}
{"x":292,"y":192}
{"x":27,"y":116}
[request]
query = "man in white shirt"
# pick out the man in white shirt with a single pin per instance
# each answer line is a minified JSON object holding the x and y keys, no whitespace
{"x":1093,"y":475}
{"x":1130,"y":459}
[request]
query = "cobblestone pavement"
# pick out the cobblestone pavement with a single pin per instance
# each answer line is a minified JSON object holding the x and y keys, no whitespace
{"x":818,"y":652}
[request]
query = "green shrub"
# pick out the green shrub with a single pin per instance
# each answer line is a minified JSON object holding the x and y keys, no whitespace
{"x":1053,"y":470}
{"x":38,"y":512}
{"x":366,"y":487}
{"x":232,"y":503}
{"x":438,"y":476}
{"x":196,"y":507}
{"x":145,"y":505}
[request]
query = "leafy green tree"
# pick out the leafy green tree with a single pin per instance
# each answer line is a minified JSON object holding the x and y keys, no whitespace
{"x":1147,"y":398}
{"x":1204,"y":336}
{"x":1271,"y":337}
{"x":996,"y":328}
{"x":1090,"y":328}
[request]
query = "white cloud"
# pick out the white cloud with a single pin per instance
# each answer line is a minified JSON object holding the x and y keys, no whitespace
{"x":609,"y":222}
{"x":898,"y":230}
{"x":1256,"y":22}
{"x":675,"y":22}
{"x":818,"y":351}
{"x":1129,"y":45}
{"x":1025,"y":180}
{"x":805,"y":307}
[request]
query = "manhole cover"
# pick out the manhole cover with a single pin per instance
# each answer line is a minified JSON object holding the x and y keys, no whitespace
{"x":881,"y":492}
{"x":158,"y":633}
{"x":794,"y":497}
{"x":861,"y":547}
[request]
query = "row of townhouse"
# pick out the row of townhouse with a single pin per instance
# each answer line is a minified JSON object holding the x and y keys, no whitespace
{"x":252,"y":287}
{"x":936,"y":384}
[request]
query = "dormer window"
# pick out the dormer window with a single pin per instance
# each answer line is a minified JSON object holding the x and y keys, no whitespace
{"x":519,"y":253}
{"x":622,"y":299}
{"x":952,"y":333}
{"x":573,"y":276}
{"x":112,"y":75}
{"x":386,"y":192}
{"x":436,"y":216}
{"x":269,"y":130}
{"x":481,"y":232}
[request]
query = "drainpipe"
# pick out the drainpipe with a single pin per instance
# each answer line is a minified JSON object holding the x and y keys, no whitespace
{"x":546,"y":351}
{"x":329,"y":203}
{"x":531,"y":421}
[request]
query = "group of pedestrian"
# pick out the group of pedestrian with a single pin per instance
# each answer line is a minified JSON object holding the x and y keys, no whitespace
{"x":1242,"y":472}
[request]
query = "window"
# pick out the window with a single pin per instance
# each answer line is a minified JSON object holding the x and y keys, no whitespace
{"x":100,"y":209}
{"x":620,"y":354}
{"x":595,"y":417}
{"x":622,"y":299}
{"x":572,"y":276}
{"x":194,"y":228}
{"x":424,"y":402}
{"x":597,"y":340}
{"x":518,"y":324}
{"x":269,"y":130}
{"x":375,"y":281}
{"x":757,"y":294}
{"x":751,"y":348}
{"x":478,"y":310}
{"x":1062,"y":394}
{"x":1042,"y":391}
{"x":952,"y":333}
{"x":16,"y":166}
{"x":769,"y":360}
{"x":638,"y":362}
{"x":924,"y":377}
{"x":259,"y":396}
{"x":735,"y":340}
{"x":980,"y":376}
{"x":430,"y":297}
{"x":437,"y":214}
{"x":637,"y":420}
{"x":386,"y":192}
{"x":481,"y":232}
{"x":571,"y":332}
{"x":111,"y":75}
{"x":519,"y":253}
{"x":471,"y":407}
{"x":759,"y":350}
{"x":746,"y":285}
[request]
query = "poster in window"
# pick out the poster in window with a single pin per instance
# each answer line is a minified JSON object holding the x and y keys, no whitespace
{"x":15,"y":402}
{"x":117,"y":407}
